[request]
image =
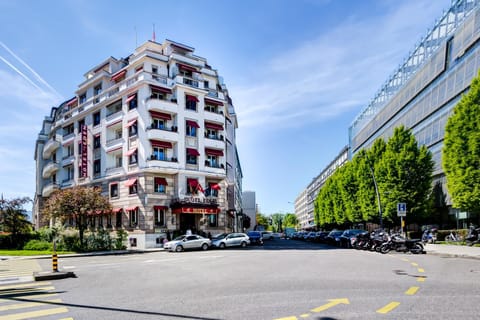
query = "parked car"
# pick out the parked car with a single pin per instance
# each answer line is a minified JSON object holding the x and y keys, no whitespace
{"x":349,"y":235}
{"x":333,"y":237}
{"x":310,"y":236}
{"x":232,"y":240}
{"x":321,"y":236}
{"x":189,"y":242}
{"x":267,"y":235}
{"x":255,"y":237}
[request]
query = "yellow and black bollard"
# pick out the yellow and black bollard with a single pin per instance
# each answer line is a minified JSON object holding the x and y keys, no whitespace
{"x":55,"y":262}
{"x":54,"y":257}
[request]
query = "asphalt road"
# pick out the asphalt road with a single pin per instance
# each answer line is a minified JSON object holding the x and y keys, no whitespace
{"x":285,"y":280}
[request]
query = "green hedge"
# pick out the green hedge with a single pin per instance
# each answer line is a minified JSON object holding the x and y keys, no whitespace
{"x":38,"y":245}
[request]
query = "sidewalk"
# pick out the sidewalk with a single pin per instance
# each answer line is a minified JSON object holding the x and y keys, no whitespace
{"x":453,"y":251}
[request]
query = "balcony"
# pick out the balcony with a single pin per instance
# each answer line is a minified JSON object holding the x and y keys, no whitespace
{"x":113,"y":117}
{"x":112,"y":171}
{"x":215,"y":117}
{"x":162,"y":134}
{"x":49,"y":189}
{"x":50,"y":147}
{"x":114,"y":143}
{"x":214,"y":143}
{"x":49,"y":169}
{"x":215,"y":168}
{"x":169,"y":106}
{"x":166,"y":162}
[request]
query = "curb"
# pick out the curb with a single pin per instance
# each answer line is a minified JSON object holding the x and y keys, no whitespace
{"x":42,"y":276}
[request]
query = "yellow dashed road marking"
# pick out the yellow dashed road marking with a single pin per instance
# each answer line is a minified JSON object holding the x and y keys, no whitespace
{"x":389,"y":307}
{"x":405,"y":259}
{"x":414,"y":264}
{"x":288,"y":318}
{"x":412,"y":290}
{"x":34,"y":314}
{"x":306,"y":315}
{"x":421,"y":279}
{"x":421,"y":270}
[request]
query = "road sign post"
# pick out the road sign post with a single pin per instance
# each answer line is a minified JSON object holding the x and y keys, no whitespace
{"x":402,"y":212}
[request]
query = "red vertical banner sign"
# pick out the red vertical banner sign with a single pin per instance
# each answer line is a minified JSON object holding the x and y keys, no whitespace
{"x":84,"y":152}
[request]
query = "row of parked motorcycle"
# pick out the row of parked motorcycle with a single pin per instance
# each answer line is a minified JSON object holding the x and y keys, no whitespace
{"x":384,"y":242}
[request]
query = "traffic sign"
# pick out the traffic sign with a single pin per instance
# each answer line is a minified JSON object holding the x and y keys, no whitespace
{"x":401,"y":209}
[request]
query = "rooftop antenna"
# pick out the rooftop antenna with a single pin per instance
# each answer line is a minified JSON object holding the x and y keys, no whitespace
{"x":153,"y":35}
{"x":136,"y":40}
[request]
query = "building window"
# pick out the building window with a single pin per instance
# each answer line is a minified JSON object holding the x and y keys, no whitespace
{"x":68,"y":130}
{"x":159,"y":185}
{"x":96,"y":167}
{"x":158,"y":124}
{"x":191,"y":130}
{"x":80,"y":124}
{"x":82,"y":98}
{"x":132,"y":130}
{"x":114,"y":190}
{"x":132,"y":103}
{"x":96,"y":118}
{"x":118,"y":161}
{"x":159,"y":217}
{"x":96,"y":142}
{"x":118,"y":222}
{"x":191,"y":102}
{"x":206,"y":84}
{"x":154,"y":72}
{"x":97,"y":89}
{"x":133,"y":158}
{"x":210,"y":108}
{"x":133,"y":189}
{"x":159,"y":154}
{"x":109,"y":221}
{"x":211,"y":133}
{"x":212,"y":161}
{"x":68,"y":151}
{"x":191,"y":159}
{"x":133,"y":217}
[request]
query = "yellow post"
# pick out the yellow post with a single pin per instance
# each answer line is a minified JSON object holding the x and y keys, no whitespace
{"x":54,"y":257}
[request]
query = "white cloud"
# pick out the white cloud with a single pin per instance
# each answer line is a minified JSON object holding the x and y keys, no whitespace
{"x":337,"y":72}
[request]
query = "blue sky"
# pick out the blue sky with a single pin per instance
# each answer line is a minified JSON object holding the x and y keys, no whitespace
{"x":298,"y":71}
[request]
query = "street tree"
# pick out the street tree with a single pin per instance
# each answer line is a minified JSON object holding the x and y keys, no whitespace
{"x":262,"y":220}
{"x":290,"y":220}
{"x":277,"y":221}
{"x":461,"y":151}
{"x":13,"y":217}
{"x":77,"y":203}
{"x":404,"y":174}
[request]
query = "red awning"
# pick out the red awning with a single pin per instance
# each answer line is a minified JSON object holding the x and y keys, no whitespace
{"x":192,"y":152}
{"x":160,"y":115}
{"x":116,"y":210}
{"x":186,"y":67}
{"x":191,"y":98}
{"x":161,"y":181}
{"x":215,"y":186}
{"x":130,"y":152}
{"x":72,"y":102}
{"x":160,"y":207}
{"x":192,"y":182}
{"x":160,"y":89}
{"x":131,"y":122}
{"x":213,"y":126}
{"x":214,"y":152}
{"x":131,"y":97}
{"x":192,"y":123}
{"x":215,"y":103}
{"x":117,"y":76}
{"x":161,"y":144}
{"x":140,"y":68}
{"x":131,"y":209}
{"x":130,"y":182}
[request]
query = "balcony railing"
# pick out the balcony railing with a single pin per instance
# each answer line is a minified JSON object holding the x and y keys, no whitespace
{"x":49,"y":169}
{"x":157,"y":158}
{"x":50,"y":147}
{"x":114,"y":141}
{"x":190,"y":82}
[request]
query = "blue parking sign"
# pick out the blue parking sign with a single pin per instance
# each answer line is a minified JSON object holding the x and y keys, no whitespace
{"x":401,"y":209}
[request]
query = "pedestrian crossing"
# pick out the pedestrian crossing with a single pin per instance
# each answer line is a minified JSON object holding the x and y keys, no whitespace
{"x":18,"y":269}
{"x":27,"y":300}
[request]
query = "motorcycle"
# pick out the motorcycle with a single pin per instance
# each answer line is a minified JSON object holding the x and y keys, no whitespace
{"x":429,"y":236}
{"x":400,"y":244}
{"x":473,"y":236}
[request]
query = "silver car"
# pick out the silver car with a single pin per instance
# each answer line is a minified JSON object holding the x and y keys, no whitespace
{"x":187,"y":242}
{"x":232,"y":240}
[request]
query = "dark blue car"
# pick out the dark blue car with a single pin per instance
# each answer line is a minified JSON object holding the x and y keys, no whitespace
{"x":255,"y":237}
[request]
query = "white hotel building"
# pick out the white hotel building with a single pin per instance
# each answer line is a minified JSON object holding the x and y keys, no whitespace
{"x":156,"y":132}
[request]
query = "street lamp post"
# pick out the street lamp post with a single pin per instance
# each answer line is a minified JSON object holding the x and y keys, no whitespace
{"x":378,"y":195}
